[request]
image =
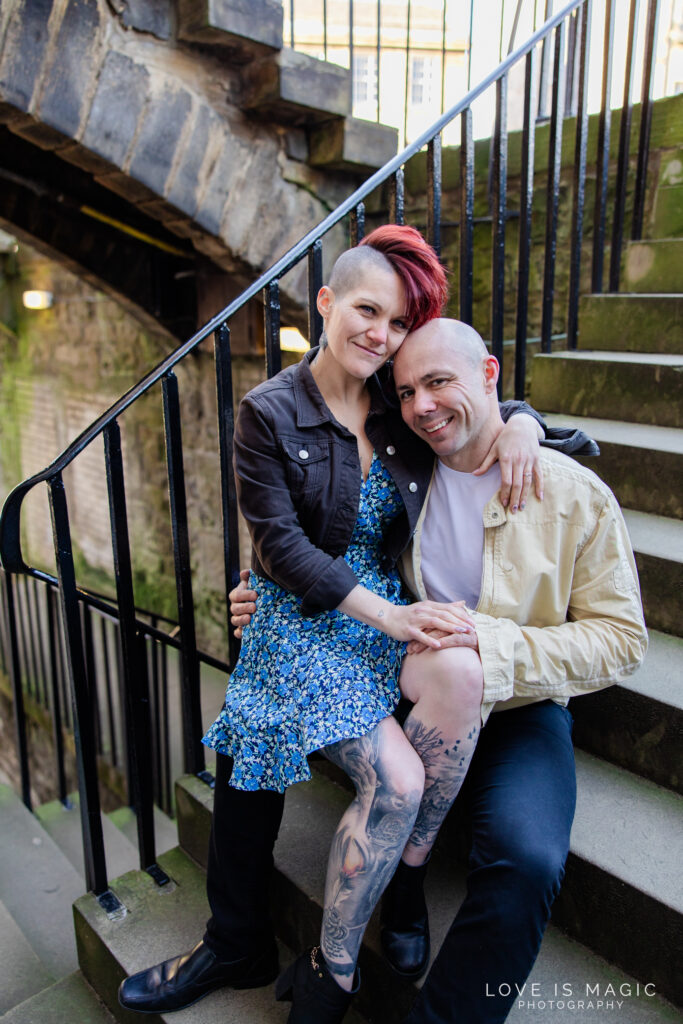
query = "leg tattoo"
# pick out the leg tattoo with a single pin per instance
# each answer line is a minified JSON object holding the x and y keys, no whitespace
{"x":369,"y":839}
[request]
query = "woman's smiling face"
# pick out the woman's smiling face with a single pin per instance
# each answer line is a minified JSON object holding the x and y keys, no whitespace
{"x":366,"y":324}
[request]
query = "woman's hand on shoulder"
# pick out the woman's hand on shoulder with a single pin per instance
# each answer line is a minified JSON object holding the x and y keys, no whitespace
{"x":517,"y":450}
{"x":242,"y":603}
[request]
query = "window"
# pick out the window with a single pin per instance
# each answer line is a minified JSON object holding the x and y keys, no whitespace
{"x":421,"y":81}
{"x":364,"y":78}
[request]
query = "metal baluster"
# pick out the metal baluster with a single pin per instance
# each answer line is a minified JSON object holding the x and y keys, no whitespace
{"x":38,"y":634}
{"x":466,"y":214}
{"x":645,"y":121}
{"x":623,"y":158}
{"x":91,"y":823}
{"x":17,"y":691}
{"x":434,"y":194}
{"x":272,"y":329}
{"x":579,"y":188}
{"x":189,"y":660}
{"x":526,"y":195}
{"x":91,"y":674}
{"x":133,"y":655}
{"x":151,"y":646}
{"x":553,"y":190}
{"x":57,"y":734}
{"x":405,"y":105}
{"x":500,"y":153}
{"x":167,"y":804}
{"x":357,"y":225}
{"x":26,"y":674}
{"x":545,"y":69}
{"x":602,"y":159}
{"x":29,"y":631}
{"x":315,"y":283}
{"x":570,"y":67}
{"x":226,"y":429}
{"x":397,"y":197}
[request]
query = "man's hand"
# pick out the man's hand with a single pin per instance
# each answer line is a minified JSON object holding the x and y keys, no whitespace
{"x":242,"y":604}
{"x":469,"y":639}
{"x":518,"y":452}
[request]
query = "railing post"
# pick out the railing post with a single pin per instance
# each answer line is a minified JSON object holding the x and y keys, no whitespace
{"x":397,"y":197}
{"x":357,"y":225}
{"x":17,"y":690}
{"x":315,"y":283}
{"x":553,"y":191}
{"x":645,"y":120}
{"x":622,"y":160}
{"x":526,"y":195}
{"x":133,"y":654}
{"x":93,"y":841}
{"x":602,"y":157}
{"x":226,"y":430}
{"x":466,"y":215}
{"x":192,"y":712}
{"x":272,"y":329}
{"x":583,"y":30}
{"x":58,"y":738}
{"x":500,"y":158}
{"x":434,"y":194}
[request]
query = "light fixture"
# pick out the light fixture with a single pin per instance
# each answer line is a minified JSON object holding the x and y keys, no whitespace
{"x":292,"y":340}
{"x":36,"y":299}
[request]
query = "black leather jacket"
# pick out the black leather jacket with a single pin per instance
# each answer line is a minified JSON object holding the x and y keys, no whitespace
{"x":299,"y":476}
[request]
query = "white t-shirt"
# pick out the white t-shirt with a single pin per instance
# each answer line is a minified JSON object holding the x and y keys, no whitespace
{"x":452,"y":543}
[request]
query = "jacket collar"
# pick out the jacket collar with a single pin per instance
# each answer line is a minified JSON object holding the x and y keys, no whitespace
{"x":311,"y":409}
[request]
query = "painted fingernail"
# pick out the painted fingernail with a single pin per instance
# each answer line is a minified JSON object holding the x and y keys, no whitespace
{"x":514,"y":508}
{"x":523,"y":505}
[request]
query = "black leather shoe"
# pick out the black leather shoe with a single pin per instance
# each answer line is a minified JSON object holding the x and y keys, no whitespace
{"x":181,"y":981}
{"x":404,"y":924}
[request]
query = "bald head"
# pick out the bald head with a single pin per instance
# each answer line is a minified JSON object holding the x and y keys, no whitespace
{"x":446,"y":382}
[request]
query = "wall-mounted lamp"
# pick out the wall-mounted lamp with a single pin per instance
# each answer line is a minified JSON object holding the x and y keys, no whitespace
{"x":292,"y":340}
{"x":36,"y":299}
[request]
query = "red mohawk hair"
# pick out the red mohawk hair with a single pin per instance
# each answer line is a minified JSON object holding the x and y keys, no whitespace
{"x":416,"y":263}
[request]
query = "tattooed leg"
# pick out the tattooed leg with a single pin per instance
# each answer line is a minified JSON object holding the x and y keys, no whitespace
{"x":446,"y":689}
{"x":389,"y":778}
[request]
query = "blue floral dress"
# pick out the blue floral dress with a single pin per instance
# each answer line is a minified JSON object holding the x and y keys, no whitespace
{"x":303,"y":682}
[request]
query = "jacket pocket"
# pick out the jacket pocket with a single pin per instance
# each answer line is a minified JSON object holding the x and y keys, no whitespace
{"x":306,"y":465}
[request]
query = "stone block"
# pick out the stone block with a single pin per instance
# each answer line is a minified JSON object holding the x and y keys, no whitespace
{"x":250,"y":23}
{"x":641,"y":387}
{"x":352,"y":145}
{"x":116,"y":108}
{"x":184,"y":187}
{"x":667,"y":219}
{"x":158,"y":138}
{"x":153,"y":16}
{"x":126,"y":187}
{"x":296,"y":88}
{"x":24,"y":49}
{"x":654,"y":266}
{"x":63,"y":95}
{"x":631,"y":322}
{"x":227,"y":171}
{"x":81,"y":157}
{"x":40,"y":134}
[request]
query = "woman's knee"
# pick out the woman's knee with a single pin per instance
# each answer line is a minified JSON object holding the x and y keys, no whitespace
{"x":452,"y":682}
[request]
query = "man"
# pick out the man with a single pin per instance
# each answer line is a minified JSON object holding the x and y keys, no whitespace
{"x":557,"y":613}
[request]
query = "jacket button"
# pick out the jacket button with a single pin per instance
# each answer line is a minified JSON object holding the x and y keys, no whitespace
{"x":303,"y":454}
{"x":412,"y":487}
{"x":391,"y":450}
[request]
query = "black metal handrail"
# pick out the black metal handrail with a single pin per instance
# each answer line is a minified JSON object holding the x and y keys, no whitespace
{"x":133,"y":631}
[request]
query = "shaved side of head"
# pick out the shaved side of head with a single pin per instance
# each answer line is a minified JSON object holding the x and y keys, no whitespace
{"x":350,"y":268}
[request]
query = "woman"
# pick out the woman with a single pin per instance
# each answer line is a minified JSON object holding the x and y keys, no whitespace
{"x":330,"y":483}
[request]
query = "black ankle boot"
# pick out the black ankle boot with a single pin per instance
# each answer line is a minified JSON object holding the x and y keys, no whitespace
{"x":404,"y":924}
{"x":315,"y":996}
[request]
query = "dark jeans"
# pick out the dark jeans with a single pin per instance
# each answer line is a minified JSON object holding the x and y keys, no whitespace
{"x":521,"y":789}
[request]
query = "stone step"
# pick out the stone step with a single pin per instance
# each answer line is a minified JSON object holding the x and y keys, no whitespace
{"x":654,"y":265}
{"x":243,"y":27}
{"x":63,"y":824}
{"x":641,"y":463}
{"x":160,"y":923}
{"x":351,"y":144}
{"x":70,"y":1000}
{"x":38,"y":886}
{"x":643,"y":886}
{"x":165,"y":830}
{"x":296,"y":89}
{"x":636,"y":386}
{"x":658,"y":546}
{"x":623,"y":890}
{"x":631,"y":322}
{"x":638,"y":723}
{"x":21,"y":972}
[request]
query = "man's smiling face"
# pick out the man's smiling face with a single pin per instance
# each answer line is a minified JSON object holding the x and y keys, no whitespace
{"x":445,"y":388}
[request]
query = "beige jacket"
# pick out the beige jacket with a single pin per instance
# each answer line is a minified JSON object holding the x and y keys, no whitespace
{"x":559,"y":612}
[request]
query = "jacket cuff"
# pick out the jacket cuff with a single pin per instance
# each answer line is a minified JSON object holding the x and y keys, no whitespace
{"x":330,"y":589}
{"x":496,"y":685}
